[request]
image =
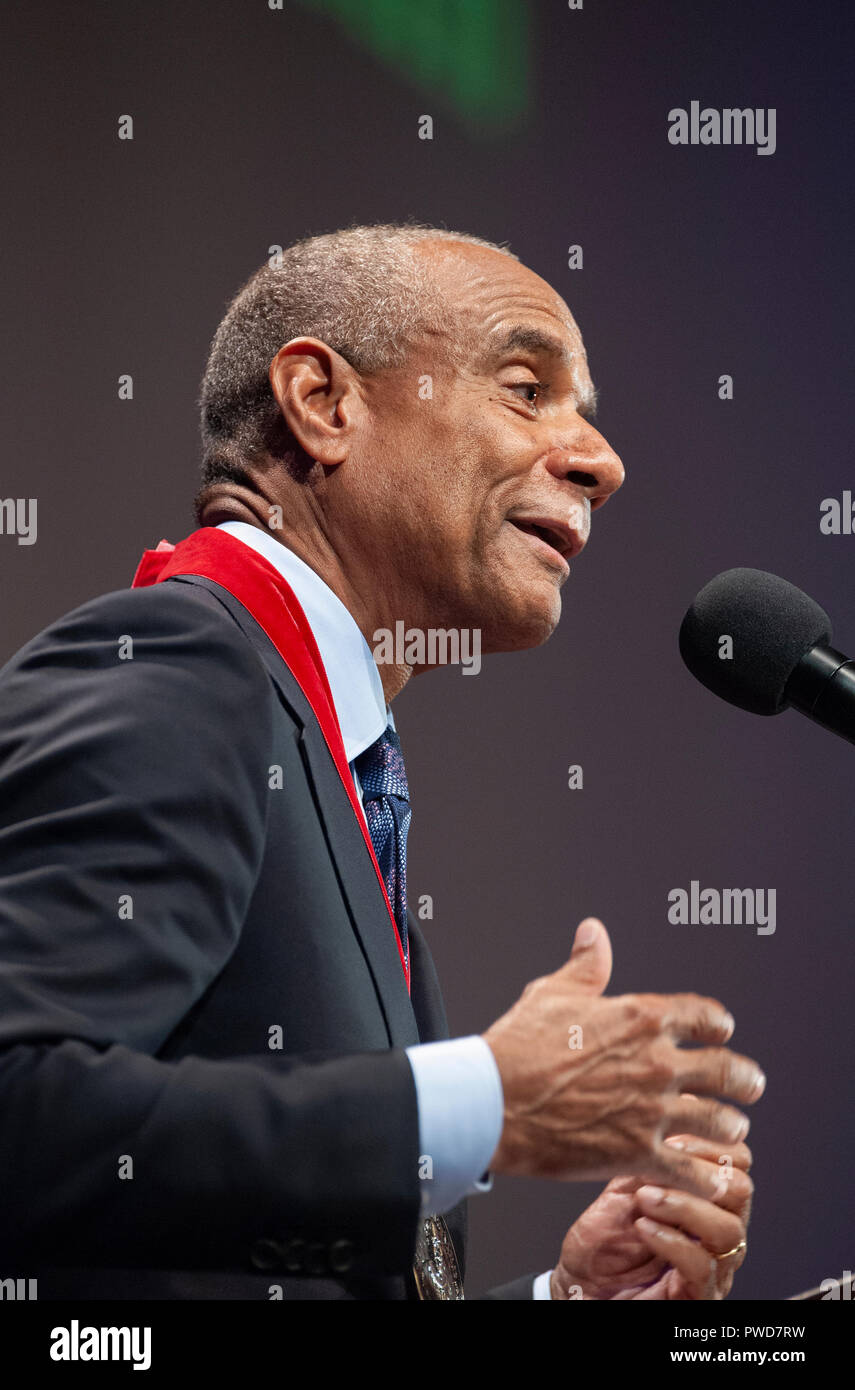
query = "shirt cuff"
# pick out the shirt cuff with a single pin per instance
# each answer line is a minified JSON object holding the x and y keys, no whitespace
{"x":542,"y":1286}
{"x":461,"y":1105}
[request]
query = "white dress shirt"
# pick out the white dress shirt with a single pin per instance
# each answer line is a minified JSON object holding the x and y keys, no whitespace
{"x":458,"y":1086}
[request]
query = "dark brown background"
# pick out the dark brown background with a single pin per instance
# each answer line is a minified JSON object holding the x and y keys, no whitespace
{"x":254,"y":127}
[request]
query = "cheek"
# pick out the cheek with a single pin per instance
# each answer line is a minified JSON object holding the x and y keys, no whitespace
{"x":448,"y":467}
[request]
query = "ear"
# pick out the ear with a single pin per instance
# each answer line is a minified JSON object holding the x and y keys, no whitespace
{"x":319,"y":396}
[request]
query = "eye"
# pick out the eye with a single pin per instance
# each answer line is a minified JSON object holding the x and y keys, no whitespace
{"x":536,"y":387}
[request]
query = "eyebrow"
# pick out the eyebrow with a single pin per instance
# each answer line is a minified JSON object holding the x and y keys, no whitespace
{"x":537,"y":340}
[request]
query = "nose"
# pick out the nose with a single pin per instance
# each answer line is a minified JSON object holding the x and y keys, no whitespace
{"x":590,"y":464}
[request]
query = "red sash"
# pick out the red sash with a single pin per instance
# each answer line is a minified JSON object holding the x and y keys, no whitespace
{"x":261,"y":589}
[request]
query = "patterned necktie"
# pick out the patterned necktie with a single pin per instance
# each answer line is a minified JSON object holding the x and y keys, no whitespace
{"x":386,"y":799}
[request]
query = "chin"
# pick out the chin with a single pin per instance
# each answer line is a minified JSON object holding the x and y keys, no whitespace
{"x":523,"y":626}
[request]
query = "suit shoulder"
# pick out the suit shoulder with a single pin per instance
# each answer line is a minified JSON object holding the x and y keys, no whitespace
{"x":179,"y":624}
{"x":168,"y":652}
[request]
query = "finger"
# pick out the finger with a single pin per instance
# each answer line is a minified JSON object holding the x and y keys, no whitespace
{"x":716,"y":1071}
{"x":737,"y":1155}
{"x":716,"y":1228}
{"x":698,"y":1268}
{"x":730,"y":1188}
{"x":676,"y":1168}
{"x":590,"y":965}
{"x":623,"y":1183}
{"x":708,"y":1119}
{"x":694,"y":1018}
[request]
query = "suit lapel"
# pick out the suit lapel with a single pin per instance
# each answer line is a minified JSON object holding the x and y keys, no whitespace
{"x":354,"y":862}
{"x":354,"y":868}
{"x":359,"y":885}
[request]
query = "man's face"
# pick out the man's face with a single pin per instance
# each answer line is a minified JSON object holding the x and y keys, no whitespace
{"x":489,"y":473}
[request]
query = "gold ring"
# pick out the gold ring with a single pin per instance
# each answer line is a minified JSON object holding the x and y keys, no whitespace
{"x":743,"y":1245}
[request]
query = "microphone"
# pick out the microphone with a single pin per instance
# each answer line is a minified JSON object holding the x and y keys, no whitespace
{"x":762,"y":644}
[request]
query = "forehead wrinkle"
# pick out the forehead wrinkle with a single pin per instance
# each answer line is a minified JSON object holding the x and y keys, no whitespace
{"x":530,"y":339}
{"x":468,"y":327}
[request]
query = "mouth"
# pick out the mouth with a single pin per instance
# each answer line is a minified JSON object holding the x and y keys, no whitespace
{"x":554,"y":538}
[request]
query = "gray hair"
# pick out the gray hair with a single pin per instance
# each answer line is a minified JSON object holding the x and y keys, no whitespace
{"x":362,"y":290}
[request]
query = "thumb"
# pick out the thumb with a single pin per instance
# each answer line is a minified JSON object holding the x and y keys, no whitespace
{"x":590,"y":963}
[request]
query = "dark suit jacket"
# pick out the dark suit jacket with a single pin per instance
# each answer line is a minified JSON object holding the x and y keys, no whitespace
{"x":170,"y":905}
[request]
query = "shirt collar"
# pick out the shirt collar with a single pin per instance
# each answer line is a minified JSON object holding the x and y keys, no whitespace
{"x":355,"y":683}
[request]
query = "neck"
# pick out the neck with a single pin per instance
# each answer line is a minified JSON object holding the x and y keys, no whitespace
{"x":393,"y":679}
{"x":231,"y":502}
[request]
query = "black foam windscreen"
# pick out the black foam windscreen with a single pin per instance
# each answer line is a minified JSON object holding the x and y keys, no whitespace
{"x":771,"y":624}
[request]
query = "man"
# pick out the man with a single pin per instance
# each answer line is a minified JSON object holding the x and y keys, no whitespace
{"x":224,"y":1053}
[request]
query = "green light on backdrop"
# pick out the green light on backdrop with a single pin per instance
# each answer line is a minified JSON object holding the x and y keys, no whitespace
{"x":472,"y":53}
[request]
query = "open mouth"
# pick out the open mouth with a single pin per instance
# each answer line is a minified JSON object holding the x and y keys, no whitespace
{"x":557,"y":543}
